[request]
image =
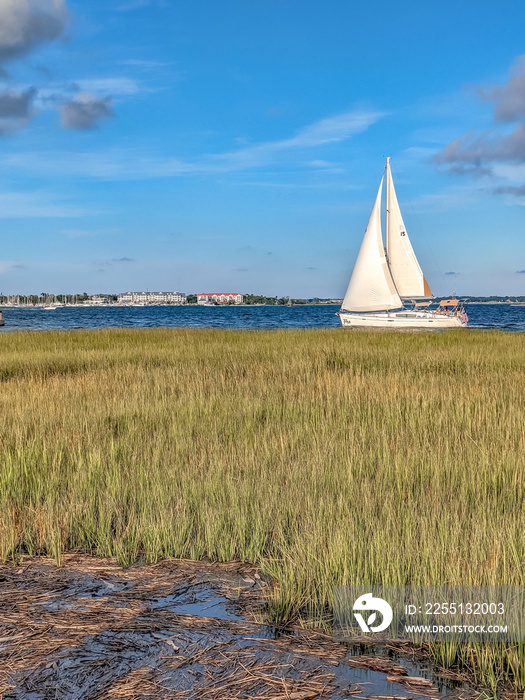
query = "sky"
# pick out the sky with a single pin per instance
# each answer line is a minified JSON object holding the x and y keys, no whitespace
{"x":238,"y":145}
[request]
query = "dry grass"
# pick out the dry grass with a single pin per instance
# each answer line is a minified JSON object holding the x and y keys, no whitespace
{"x":59,"y":627}
{"x":325,"y":456}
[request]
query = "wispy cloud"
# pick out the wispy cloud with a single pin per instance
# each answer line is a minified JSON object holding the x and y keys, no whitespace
{"x":88,"y":233}
{"x":6,"y":265}
{"x":511,"y":189}
{"x":455,"y":197}
{"x":326,"y":166}
{"x":117,"y":164}
{"x":113,"y":261}
{"x":134,"y":165}
{"x":302,"y":185}
{"x":144,"y":64}
{"x":113,"y":86}
{"x":55,"y":93}
{"x":40,"y":204}
{"x":323,"y":132}
{"x":130,"y":5}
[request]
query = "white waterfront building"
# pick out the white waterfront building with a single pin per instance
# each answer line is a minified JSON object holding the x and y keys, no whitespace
{"x":220,"y":298}
{"x":152,"y":298}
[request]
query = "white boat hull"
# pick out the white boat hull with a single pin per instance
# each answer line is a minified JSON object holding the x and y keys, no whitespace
{"x":401,"y":319}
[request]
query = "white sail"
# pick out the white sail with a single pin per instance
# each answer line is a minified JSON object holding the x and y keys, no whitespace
{"x":407,"y":274}
{"x":371,"y":287}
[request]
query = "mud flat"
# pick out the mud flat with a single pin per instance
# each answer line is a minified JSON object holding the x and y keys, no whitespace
{"x":178,"y":629}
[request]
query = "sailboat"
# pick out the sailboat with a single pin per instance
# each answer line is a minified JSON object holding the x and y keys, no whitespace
{"x":384,"y":280}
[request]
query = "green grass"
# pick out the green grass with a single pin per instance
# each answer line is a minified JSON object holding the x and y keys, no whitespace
{"x":325,"y":456}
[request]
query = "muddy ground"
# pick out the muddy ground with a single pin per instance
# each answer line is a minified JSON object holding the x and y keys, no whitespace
{"x":178,"y":629}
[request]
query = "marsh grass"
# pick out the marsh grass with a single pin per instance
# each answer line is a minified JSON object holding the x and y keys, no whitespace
{"x":326,"y":456}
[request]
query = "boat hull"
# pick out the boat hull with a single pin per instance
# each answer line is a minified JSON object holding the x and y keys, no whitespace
{"x":400,"y":319}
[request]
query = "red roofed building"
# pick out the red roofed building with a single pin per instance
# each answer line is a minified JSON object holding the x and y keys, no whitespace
{"x":220,"y":298}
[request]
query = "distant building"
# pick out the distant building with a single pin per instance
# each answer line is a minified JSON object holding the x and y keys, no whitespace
{"x":96,"y":300}
{"x":220,"y":298}
{"x":152,"y":298}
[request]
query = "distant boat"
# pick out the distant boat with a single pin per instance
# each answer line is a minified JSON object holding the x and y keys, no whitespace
{"x":383,"y":280}
{"x":49,"y":308}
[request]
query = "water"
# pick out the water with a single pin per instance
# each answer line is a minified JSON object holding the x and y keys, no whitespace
{"x":501,"y":316}
{"x":203,"y":603}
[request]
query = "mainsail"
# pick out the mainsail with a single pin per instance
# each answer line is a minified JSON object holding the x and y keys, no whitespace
{"x":407,"y":274}
{"x":371,"y":287}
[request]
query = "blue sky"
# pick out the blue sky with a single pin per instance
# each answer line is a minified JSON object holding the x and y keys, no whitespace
{"x":238,"y":145}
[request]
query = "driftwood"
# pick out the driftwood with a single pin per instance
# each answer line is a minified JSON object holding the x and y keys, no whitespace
{"x":378,"y":663}
{"x":411,"y":680}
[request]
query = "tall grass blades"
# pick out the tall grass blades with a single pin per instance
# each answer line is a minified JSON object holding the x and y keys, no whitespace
{"x":326,"y":456}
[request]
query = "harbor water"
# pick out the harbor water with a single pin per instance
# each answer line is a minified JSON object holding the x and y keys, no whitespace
{"x":499,"y":316}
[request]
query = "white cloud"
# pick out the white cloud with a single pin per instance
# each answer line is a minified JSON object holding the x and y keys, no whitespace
{"x":457,"y":197}
{"x":134,"y":165}
{"x":323,"y":132}
{"x":40,"y":204}
{"x":24,"y":24}
{"x":110,"y":165}
{"x":6,"y":265}
{"x":130,"y":5}
{"x":499,"y":147}
{"x":85,"y":110}
{"x":16,"y":110}
{"x":112,"y":86}
{"x":88,"y":233}
{"x":333,"y":129}
{"x":512,"y":173}
{"x":140,"y":63}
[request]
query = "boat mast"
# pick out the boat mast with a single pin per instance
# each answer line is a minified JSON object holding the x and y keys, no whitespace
{"x":402,"y":261}
{"x":371,"y":287}
{"x":387,"y":172}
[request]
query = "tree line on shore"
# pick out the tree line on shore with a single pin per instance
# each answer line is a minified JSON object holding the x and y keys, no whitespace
{"x":46,"y":298}
{"x":248,"y":299}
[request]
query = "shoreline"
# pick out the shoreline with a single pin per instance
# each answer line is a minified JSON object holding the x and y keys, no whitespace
{"x":40,"y":307}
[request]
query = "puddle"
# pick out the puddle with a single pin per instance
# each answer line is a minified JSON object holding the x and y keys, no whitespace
{"x":204,"y":603}
{"x":413,"y":668}
{"x":214,"y":607}
{"x":372,"y":682}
